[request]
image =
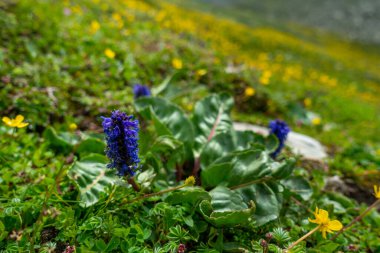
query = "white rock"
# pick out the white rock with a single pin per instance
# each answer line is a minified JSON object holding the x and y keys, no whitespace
{"x":300,"y":144}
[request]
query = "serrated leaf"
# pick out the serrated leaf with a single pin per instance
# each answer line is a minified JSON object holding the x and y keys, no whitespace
{"x":92,"y":178}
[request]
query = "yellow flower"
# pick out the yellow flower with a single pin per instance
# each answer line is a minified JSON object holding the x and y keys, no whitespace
{"x":109,"y":53}
{"x":264,"y":79}
{"x":73,"y":126}
{"x":249,"y":92}
{"x":376,"y":189}
{"x":190,"y":181}
{"x":316,"y":121}
{"x":116,"y":16}
{"x":201,"y":72}
{"x":177,"y":63}
{"x":17,"y":122}
{"x":307,"y":102}
{"x":94,"y":26}
{"x":325,"y":224}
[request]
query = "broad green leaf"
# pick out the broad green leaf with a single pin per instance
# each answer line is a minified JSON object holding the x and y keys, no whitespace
{"x":211,"y":117}
{"x":62,"y":142}
{"x":91,"y":145}
{"x":92,"y":177}
{"x":299,"y":186}
{"x":170,"y":115}
{"x":243,"y":167}
{"x":191,"y":195}
{"x":165,"y":143}
{"x":225,"y":143}
{"x":268,"y":200}
{"x":226,"y":208}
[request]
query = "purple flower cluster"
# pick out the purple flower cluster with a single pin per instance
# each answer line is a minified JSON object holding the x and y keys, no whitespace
{"x":280,"y":129}
{"x":141,"y":91}
{"x":122,"y":146}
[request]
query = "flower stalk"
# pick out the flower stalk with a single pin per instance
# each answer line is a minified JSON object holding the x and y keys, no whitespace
{"x":190,"y":181}
{"x":303,"y":238}
{"x":357,"y":219}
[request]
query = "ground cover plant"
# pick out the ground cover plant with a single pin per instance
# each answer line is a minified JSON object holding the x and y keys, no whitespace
{"x":117,"y":133}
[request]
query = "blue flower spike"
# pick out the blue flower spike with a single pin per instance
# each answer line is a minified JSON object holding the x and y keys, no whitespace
{"x":122,"y":142}
{"x":281,"y":130}
{"x":141,"y":91}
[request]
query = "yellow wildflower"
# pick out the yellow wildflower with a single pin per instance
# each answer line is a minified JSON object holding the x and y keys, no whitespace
{"x":17,"y":122}
{"x":190,"y":181}
{"x":316,"y":121}
{"x":201,"y":72}
{"x":249,"y":92}
{"x":325,"y":224}
{"x":116,"y":16}
{"x":264,"y":79}
{"x":307,"y":102}
{"x":94,"y":26}
{"x":376,"y":189}
{"x":109,"y":53}
{"x":73,"y":126}
{"x":177,"y":63}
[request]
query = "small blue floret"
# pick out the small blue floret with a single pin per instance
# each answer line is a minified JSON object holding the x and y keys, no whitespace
{"x":280,"y":129}
{"x":141,"y":91}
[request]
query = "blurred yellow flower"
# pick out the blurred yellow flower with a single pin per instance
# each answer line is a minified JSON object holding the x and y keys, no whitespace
{"x":325,"y":224}
{"x":177,"y":63}
{"x":109,"y":53}
{"x":17,"y":122}
{"x":116,"y":16}
{"x":94,"y":26}
{"x":190,"y":181}
{"x":249,"y":92}
{"x":376,"y":189}
{"x":201,"y":72}
{"x":264,"y":79}
{"x":316,"y":121}
{"x":73,"y":126}
{"x":307,"y":102}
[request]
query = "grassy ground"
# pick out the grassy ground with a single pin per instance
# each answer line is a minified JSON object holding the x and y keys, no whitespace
{"x":74,"y":61}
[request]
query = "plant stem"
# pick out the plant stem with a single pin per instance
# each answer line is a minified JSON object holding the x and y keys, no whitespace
{"x":154,"y":194}
{"x":261,"y":180}
{"x":302,"y":238}
{"x":358,"y":218}
{"x":132,"y":182}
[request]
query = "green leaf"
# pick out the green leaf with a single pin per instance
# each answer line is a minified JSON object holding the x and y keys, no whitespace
{"x":91,"y":145}
{"x":190,"y":195}
{"x":268,"y":199}
{"x":92,"y":177}
{"x":299,"y":186}
{"x":211,"y":117}
{"x":225,"y":143}
{"x":170,"y":115}
{"x":63,"y":142}
{"x":165,"y":143}
{"x":226,"y":208}
{"x":242,"y":167}
{"x":327,"y":247}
